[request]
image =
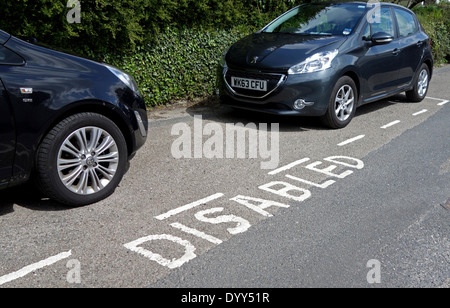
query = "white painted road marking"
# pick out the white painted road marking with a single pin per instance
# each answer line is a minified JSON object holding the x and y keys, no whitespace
{"x":420,"y":112}
{"x":210,"y":216}
{"x":257,"y":205}
{"x":197,"y":233}
{"x":287,"y":167}
{"x":189,"y":250}
{"x":189,"y":206}
{"x":442,"y":103}
{"x":390,"y":124}
{"x":33,"y":267}
{"x":351,"y":140}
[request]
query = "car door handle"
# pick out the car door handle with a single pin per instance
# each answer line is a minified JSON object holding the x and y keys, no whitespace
{"x":396,"y":51}
{"x":419,"y":43}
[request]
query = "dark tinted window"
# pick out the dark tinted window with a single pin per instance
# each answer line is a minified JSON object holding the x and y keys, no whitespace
{"x":7,"y":57}
{"x":406,"y":22}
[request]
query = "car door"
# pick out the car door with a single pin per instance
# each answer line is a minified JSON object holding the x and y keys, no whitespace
{"x":9,"y":61}
{"x":411,"y":43}
{"x":379,"y":64}
{"x":7,"y":137}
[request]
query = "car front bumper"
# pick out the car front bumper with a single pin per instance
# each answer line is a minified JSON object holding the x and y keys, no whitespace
{"x":314,"y":89}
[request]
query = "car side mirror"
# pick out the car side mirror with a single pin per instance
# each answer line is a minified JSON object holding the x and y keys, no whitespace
{"x":381,"y":38}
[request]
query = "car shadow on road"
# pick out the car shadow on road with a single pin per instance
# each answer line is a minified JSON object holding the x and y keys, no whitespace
{"x":210,"y":109}
{"x":28,"y":196}
{"x":378,"y":105}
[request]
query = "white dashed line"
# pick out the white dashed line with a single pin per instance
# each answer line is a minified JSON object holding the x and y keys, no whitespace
{"x":351,"y":140}
{"x":33,"y":267}
{"x":420,"y":112}
{"x":390,"y":124}
{"x":443,"y":103}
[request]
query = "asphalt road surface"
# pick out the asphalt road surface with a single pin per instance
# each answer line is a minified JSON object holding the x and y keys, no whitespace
{"x":298,"y":206}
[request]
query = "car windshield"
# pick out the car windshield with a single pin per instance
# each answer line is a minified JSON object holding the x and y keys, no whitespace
{"x":319,"y":19}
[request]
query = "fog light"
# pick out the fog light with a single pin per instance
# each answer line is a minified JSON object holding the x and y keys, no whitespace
{"x":299,"y":104}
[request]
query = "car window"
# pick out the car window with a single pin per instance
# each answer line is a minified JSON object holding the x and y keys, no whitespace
{"x":406,"y":23}
{"x":7,"y":57}
{"x":319,"y":19}
{"x":382,"y":22}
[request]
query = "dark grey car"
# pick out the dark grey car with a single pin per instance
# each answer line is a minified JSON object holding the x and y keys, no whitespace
{"x":325,"y":60}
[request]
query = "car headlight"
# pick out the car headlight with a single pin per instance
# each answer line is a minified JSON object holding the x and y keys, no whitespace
{"x":317,"y":62}
{"x":125,"y":78}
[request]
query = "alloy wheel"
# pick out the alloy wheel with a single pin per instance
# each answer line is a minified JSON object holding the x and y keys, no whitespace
{"x":422,"y":83}
{"x":87,"y":160}
{"x":344,"y":102}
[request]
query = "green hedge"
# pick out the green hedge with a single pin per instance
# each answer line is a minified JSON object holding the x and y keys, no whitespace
{"x":180,"y":65}
{"x":108,"y":25}
{"x":436,"y":21}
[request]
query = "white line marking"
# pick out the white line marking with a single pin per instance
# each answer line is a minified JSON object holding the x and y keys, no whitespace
{"x":390,"y":124}
{"x":420,"y":112}
{"x":323,"y":185}
{"x":189,"y":206}
{"x":442,"y":103}
{"x":437,"y":99}
{"x":33,"y":267}
{"x":197,"y":233}
{"x":287,"y":167}
{"x":351,"y":140}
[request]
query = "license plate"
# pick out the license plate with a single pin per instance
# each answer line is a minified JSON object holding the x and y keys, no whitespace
{"x":250,"y":84}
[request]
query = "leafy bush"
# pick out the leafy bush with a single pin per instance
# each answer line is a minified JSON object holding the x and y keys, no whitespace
{"x":104,"y":26}
{"x":436,"y":21}
{"x":181,"y":64}
{"x":121,"y":26}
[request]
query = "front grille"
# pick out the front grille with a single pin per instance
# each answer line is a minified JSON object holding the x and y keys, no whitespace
{"x":273,"y":82}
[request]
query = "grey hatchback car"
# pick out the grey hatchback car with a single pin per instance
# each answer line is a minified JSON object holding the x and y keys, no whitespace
{"x":326,"y":60}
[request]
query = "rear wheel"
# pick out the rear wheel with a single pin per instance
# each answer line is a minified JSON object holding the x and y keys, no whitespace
{"x":81,"y":160}
{"x":421,"y":84}
{"x":342,"y":106}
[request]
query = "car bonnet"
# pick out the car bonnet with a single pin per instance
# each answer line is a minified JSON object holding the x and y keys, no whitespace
{"x":278,"y":51}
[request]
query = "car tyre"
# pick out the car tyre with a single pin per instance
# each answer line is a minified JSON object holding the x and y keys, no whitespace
{"x":421,"y":85}
{"x":342,"y":106}
{"x":81,"y":160}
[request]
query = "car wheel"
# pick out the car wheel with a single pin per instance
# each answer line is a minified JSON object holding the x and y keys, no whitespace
{"x":81,"y":160}
{"x":421,"y":84}
{"x":342,"y":106}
